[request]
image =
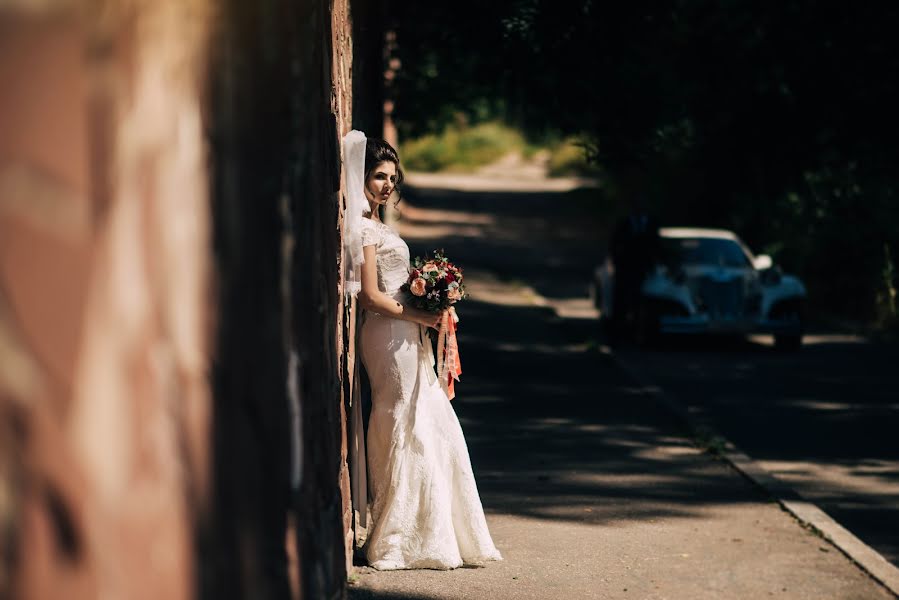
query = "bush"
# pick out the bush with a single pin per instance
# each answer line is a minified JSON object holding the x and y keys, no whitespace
{"x":568,"y":158}
{"x":462,"y":148}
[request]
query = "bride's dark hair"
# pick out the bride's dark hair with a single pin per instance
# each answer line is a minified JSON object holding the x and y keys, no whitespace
{"x":378,"y":151}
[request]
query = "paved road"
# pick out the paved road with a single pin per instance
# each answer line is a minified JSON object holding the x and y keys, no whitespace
{"x":825,"y":419}
{"x":591,"y":489}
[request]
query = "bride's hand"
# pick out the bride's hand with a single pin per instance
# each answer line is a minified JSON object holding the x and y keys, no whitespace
{"x":430,"y":319}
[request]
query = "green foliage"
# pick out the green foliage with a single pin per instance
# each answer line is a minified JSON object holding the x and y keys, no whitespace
{"x":452,"y":62}
{"x":890,"y":281}
{"x":835,"y":229}
{"x":569,"y":157}
{"x":888,"y":315}
{"x":462,"y":148}
{"x":440,"y":280}
{"x":777,"y":120}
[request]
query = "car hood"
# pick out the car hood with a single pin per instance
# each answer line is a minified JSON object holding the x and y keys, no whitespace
{"x":718,"y":273}
{"x":700,"y":274}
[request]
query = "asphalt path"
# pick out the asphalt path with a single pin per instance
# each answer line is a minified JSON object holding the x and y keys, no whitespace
{"x":591,"y":487}
{"x":824,"y":419}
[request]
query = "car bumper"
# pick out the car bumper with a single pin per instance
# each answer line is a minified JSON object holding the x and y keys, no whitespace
{"x":703,"y":323}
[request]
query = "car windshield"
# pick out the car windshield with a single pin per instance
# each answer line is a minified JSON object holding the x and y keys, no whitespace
{"x":705,"y":251}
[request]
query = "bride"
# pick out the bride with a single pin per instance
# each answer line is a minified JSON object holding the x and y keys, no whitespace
{"x":425,"y":507}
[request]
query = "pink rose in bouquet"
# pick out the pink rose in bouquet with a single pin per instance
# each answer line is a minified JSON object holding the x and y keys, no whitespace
{"x":417,"y":286}
{"x":434,"y":283}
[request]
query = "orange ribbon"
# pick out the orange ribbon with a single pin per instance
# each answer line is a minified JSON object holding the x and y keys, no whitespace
{"x":449,"y":366}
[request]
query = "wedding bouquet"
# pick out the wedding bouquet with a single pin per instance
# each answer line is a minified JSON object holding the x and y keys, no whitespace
{"x":435,"y":284}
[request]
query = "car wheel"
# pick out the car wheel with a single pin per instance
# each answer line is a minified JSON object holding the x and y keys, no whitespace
{"x":788,"y":341}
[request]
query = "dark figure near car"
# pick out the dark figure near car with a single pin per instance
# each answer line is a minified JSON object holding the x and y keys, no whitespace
{"x":635,"y":249}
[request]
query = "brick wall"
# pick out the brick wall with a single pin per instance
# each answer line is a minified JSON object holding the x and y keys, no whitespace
{"x":280,"y":101}
{"x":173,"y":340}
{"x":104,"y":305}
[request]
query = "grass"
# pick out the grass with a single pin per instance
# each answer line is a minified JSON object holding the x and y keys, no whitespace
{"x":709,"y":441}
{"x":567,"y":158}
{"x":462,"y":148}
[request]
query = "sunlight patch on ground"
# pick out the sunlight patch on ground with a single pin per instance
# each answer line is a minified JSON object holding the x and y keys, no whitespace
{"x":833,"y":339}
{"x":573,"y":308}
{"x":446,"y":230}
{"x":879,"y":481}
{"x":812,"y":339}
{"x":486,"y":287}
{"x":492,"y":183}
{"x":434,"y":215}
{"x":823,"y":405}
{"x":541,"y":348}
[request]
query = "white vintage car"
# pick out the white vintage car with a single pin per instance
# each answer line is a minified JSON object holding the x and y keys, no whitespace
{"x":710,"y":283}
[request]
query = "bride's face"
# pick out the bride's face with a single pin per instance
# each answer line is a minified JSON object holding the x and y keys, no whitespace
{"x":381,"y":183}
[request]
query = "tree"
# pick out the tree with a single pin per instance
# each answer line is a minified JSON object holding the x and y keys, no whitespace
{"x":777,"y":120}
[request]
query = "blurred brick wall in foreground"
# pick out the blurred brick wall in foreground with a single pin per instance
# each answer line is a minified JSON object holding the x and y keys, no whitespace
{"x":173,"y":339}
{"x":104,"y":304}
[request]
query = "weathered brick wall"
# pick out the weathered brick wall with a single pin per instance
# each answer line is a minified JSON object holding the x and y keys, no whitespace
{"x":280,"y":101}
{"x":104,"y":307}
{"x":342,"y":108}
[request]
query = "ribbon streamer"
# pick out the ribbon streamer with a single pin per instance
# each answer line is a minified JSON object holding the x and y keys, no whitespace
{"x":449,"y":365}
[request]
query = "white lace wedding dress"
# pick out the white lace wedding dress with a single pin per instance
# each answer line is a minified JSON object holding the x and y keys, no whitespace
{"x":425,"y":508}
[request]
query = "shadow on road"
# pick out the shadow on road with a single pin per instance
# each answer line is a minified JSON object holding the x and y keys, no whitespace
{"x":363,"y":594}
{"x":555,"y":430}
{"x":824,"y":419}
{"x":587,"y":479}
{"x":545,"y":413}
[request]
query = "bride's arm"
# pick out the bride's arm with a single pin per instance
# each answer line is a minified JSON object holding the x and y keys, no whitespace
{"x":373,"y":299}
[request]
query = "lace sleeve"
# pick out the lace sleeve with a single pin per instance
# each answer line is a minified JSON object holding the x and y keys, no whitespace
{"x":370,"y":234}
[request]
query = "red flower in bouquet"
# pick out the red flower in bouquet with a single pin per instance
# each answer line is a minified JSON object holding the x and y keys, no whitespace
{"x":434,"y":283}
